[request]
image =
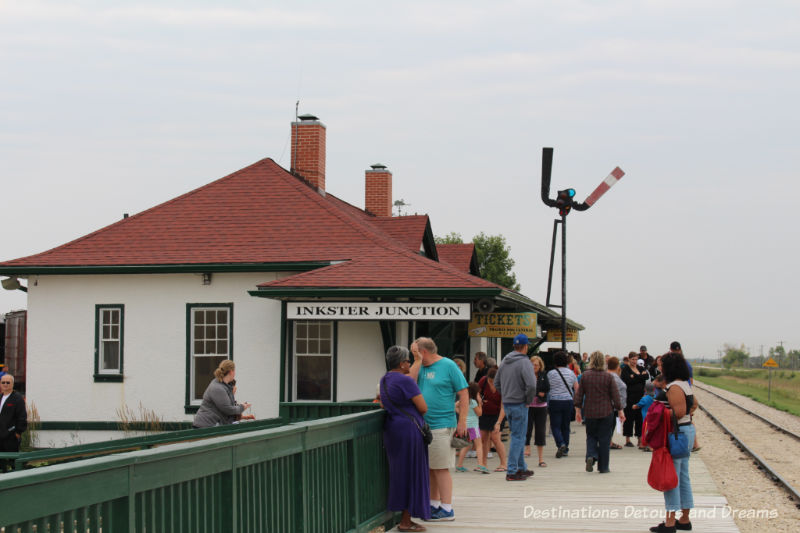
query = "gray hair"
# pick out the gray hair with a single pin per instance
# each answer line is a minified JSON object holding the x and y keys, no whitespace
{"x":491,"y":361}
{"x":395,"y":356}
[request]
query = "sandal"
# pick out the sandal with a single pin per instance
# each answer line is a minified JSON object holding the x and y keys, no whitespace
{"x":500,"y":469}
{"x":412,"y":527}
{"x":482,"y":469}
{"x":542,"y":464}
{"x":615,"y":446}
{"x":458,"y":469}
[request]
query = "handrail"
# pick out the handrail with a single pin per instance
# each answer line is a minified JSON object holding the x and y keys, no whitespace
{"x":289,"y":412}
{"x":81,"y":451}
{"x":323,"y":475}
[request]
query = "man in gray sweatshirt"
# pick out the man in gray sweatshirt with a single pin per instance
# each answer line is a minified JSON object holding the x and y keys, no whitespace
{"x":516,"y":383}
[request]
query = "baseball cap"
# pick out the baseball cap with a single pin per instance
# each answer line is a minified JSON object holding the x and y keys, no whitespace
{"x":642,"y":348}
{"x":674,"y":345}
{"x":521,"y":339}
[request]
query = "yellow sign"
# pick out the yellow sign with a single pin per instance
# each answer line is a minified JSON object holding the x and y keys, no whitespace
{"x":502,"y":324}
{"x":770,"y":363}
{"x":554,"y":335}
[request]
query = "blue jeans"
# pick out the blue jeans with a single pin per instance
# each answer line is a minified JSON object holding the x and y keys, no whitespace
{"x":681,"y":496}
{"x":560,"y":414}
{"x":598,"y":439}
{"x":517,"y":415}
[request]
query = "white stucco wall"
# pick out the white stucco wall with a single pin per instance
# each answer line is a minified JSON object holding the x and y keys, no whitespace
{"x":361,"y":360}
{"x":61,"y":336}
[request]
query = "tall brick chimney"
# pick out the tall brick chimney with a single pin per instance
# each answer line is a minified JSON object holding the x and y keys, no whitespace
{"x":378,"y":191}
{"x":308,"y":150}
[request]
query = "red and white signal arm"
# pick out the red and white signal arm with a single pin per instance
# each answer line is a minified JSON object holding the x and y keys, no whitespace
{"x":606,"y":184}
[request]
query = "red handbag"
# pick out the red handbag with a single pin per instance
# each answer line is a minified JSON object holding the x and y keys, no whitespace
{"x":661,"y":475}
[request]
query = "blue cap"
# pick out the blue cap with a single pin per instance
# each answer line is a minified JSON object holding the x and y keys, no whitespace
{"x":521,"y":339}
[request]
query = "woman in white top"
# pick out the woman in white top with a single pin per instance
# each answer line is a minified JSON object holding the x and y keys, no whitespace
{"x":560,"y":404}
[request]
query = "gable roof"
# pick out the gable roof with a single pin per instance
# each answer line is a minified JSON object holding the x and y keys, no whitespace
{"x":264,"y":218}
{"x":262,"y":215}
{"x":461,"y":256}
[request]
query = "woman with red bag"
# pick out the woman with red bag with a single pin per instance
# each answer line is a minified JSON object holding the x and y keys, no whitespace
{"x":681,"y":403}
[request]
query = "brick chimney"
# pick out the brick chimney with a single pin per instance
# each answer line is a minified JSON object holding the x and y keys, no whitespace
{"x":378,"y":191}
{"x":308,"y":150}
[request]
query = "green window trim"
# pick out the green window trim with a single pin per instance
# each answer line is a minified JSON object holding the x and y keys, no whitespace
{"x":108,"y":377}
{"x":288,"y":364}
{"x":190,"y":408}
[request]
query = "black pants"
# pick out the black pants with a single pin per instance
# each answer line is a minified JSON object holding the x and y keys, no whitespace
{"x":537,"y":418}
{"x":9,"y":444}
{"x":633,"y":421}
{"x":598,"y":439}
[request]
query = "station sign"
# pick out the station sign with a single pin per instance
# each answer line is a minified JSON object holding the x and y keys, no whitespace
{"x":554,"y":335}
{"x":377,"y":311}
{"x":502,"y":325}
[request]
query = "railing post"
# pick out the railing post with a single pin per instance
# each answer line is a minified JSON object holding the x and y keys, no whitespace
{"x":130,"y":517}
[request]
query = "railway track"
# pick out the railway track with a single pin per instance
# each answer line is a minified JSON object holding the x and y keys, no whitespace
{"x":772,"y":446}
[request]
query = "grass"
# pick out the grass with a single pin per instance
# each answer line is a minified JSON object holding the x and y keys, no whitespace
{"x":754,"y":384}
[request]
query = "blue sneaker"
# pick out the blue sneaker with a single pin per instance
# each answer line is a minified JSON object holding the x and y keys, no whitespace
{"x":434,"y":510}
{"x":443,"y":516}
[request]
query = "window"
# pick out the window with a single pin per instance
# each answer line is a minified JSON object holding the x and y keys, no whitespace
{"x":209,"y":341}
{"x":109,"y":323}
{"x":313,"y":358}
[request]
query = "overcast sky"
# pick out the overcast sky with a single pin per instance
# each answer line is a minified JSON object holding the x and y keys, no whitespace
{"x":113,"y":107}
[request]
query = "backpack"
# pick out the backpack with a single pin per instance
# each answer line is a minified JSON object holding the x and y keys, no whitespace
{"x":657,"y":424}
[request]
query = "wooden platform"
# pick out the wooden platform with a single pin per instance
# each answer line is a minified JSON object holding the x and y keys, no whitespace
{"x":564,"y":497}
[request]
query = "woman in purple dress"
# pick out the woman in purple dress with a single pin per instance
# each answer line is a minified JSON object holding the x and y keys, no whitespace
{"x":409,"y":485}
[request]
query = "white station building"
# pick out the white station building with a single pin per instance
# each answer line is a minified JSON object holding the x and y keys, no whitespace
{"x":303,"y":290}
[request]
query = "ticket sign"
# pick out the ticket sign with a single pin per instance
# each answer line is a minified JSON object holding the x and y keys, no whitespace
{"x":502,"y":325}
{"x":554,"y":335}
{"x":770,"y":363}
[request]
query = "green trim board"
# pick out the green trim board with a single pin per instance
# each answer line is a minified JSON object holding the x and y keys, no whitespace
{"x":189,"y":407}
{"x":369,"y":292}
{"x":282,"y":397}
{"x":107,"y":376}
{"x":295,"y":266}
{"x":503,"y":296}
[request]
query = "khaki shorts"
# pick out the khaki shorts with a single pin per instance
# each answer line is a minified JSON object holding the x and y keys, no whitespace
{"x":440,"y":454}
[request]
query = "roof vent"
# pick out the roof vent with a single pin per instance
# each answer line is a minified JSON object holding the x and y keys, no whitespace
{"x":307,"y":117}
{"x":378,"y":166}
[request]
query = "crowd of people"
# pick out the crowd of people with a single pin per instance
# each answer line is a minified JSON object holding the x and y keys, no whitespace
{"x":425,"y":390}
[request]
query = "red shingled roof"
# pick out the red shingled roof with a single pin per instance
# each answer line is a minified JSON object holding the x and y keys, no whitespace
{"x":264,"y":214}
{"x":408,"y":230}
{"x":458,"y":255}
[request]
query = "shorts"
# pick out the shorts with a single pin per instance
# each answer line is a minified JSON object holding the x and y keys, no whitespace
{"x":487,"y":422}
{"x":440,"y":453}
{"x":473,"y":433}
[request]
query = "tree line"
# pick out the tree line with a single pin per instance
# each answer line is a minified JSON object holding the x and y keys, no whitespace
{"x":739,"y":357}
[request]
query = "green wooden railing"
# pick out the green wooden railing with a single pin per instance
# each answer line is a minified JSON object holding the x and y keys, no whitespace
{"x":289,"y":412}
{"x":82,"y":451}
{"x":319,"y":476}
{"x":315,"y":410}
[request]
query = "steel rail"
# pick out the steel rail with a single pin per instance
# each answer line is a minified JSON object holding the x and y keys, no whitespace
{"x":772,"y":474}
{"x":749,"y":412}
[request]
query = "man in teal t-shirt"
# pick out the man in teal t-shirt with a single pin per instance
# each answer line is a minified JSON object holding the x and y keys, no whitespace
{"x":441,"y":383}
